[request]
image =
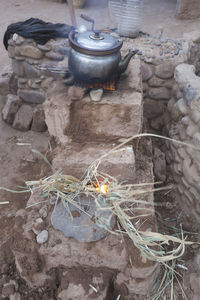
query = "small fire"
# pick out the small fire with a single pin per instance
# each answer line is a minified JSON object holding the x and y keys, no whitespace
{"x":102,"y":189}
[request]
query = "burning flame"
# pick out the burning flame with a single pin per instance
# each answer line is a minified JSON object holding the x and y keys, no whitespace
{"x":102,"y":189}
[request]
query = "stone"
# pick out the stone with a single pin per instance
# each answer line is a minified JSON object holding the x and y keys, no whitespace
{"x":170,"y":104}
{"x":183,"y":74}
{"x":13,"y":84}
{"x":96,"y":94}
{"x":146,"y":72}
{"x":80,"y":226}
{"x":46,"y":82}
{"x":195,"y":282}
{"x":157,"y":123}
{"x":15,"y":296}
{"x":43,"y":212}
{"x":31,"y":71}
{"x":38,"y":226}
{"x":182,"y":106}
{"x":44,"y":48}
{"x":153,"y":108}
{"x":11,"y":51}
{"x":57,"y":112}
{"x":54,"y":56}
{"x":188,"y":10}
{"x":177,"y":92}
{"x":159,"y":162}
{"x":32,"y":96}
{"x":42,"y":237}
{"x":161,"y":93}
{"x":196,"y":139}
{"x":38,"y":123}
{"x":23,"y":118}
{"x":191,"y":129}
{"x":8,"y":289}
{"x":165,"y":70}
{"x":185,"y":120}
{"x":156,"y":82}
{"x":4,"y":84}
{"x":18,"y":67}
{"x":10,"y":109}
{"x":76,"y":92}
{"x":28,"y":51}
{"x":195,"y":116}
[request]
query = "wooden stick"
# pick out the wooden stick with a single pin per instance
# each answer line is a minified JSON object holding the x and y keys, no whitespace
{"x":72,"y":12}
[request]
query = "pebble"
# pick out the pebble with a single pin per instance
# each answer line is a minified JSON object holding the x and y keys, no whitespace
{"x":96,"y":95}
{"x":43,"y":212}
{"x":42,"y":237}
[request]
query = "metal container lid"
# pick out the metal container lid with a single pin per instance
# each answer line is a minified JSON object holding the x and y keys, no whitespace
{"x":94,"y":42}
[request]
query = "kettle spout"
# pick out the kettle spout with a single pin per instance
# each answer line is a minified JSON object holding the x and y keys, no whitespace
{"x":123,"y":64}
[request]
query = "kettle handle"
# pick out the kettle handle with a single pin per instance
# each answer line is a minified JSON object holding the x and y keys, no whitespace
{"x":86,"y":18}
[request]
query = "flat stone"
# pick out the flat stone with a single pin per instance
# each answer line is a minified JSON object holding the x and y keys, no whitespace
{"x":159,"y":162}
{"x":28,"y":51}
{"x":153,"y":108}
{"x":146,"y":72}
{"x":157,"y":123}
{"x":15,"y":296}
{"x":11,"y":51}
{"x":18,"y":67}
{"x":4,"y":84}
{"x":161,"y":93}
{"x":8,"y":289}
{"x":10,"y":109}
{"x":38,"y":123}
{"x":13,"y":84}
{"x":23,"y":118}
{"x":30,"y":71}
{"x":42,"y":237}
{"x":32,"y":96}
{"x":79,"y":225}
{"x":54,"y":56}
{"x":44,"y":48}
{"x":165,"y":70}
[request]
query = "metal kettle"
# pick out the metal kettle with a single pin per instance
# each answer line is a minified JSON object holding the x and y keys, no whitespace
{"x":95,"y":56}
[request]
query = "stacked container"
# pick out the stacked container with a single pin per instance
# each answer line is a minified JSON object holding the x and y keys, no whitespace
{"x":128,"y":15}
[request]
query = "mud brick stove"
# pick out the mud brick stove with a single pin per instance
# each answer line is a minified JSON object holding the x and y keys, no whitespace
{"x":84,"y":130}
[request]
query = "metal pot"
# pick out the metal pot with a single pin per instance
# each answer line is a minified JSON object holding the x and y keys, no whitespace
{"x":95,"y":56}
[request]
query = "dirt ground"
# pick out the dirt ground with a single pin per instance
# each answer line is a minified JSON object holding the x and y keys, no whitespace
{"x":18,"y":163}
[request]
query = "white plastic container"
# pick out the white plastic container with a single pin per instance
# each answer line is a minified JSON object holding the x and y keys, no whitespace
{"x":128,"y":15}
